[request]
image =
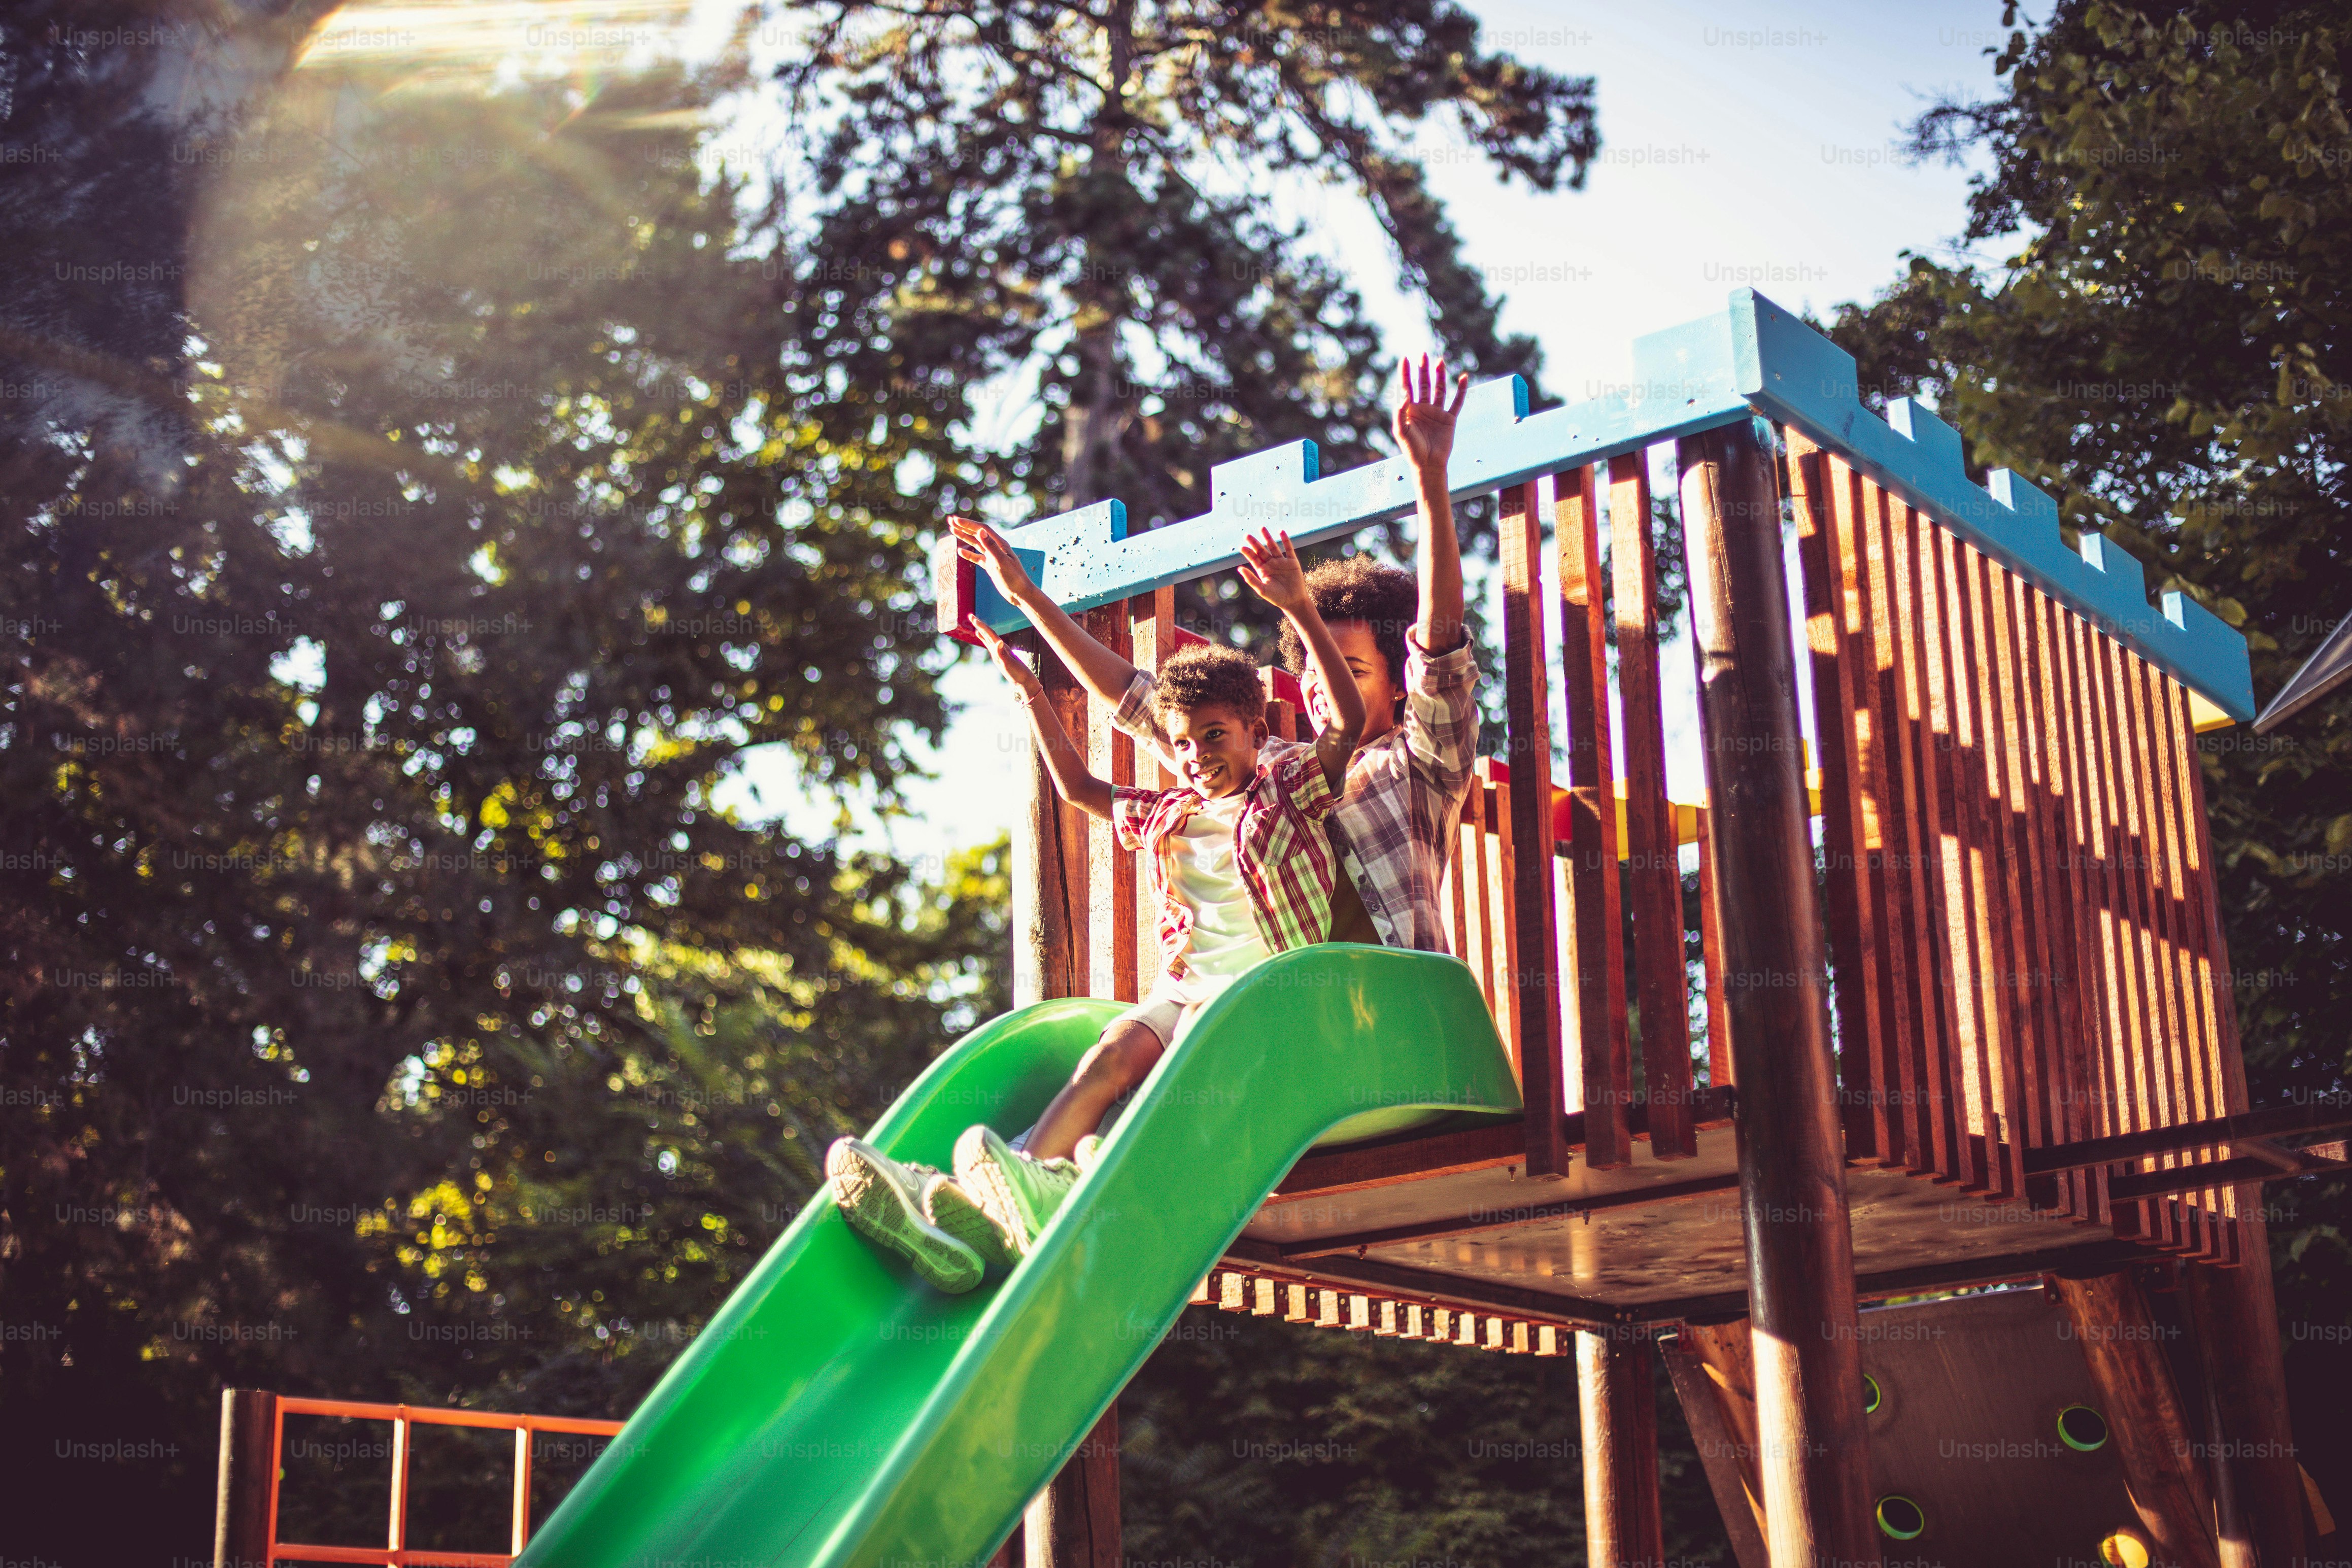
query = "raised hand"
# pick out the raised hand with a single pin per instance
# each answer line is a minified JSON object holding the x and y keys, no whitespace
{"x":1023,"y":679}
{"x":1270,"y":566}
{"x":1424,"y":420}
{"x":985,"y":548}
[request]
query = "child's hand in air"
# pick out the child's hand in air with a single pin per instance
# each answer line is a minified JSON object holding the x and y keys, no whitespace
{"x":985,"y":548}
{"x":1023,"y":679}
{"x":1425,"y":421}
{"x":1270,"y":566}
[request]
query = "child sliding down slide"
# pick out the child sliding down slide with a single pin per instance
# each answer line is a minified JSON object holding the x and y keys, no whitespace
{"x":1241,"y":870}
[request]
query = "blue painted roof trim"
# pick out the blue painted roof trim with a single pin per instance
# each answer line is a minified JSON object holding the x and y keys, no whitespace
{"x":1754,"y":358}
{"x":1801,"y":378}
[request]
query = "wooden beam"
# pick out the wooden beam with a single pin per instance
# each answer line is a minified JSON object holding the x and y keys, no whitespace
{"x":1852,"y":793}
{"x":1597,"y":999}
{"x":1653,"y":864}
{"x":1418,"y":1159}
{"x":2273,"y":1122}
{"x":1111,"y":886}
{"x":1074,"y":1522}
{"x":1050,"y":902}
{"x":2209,"y":1173}
{"x":1516,"y":1214}
{"x":2144,"y":1413}
{"x":1618,"y":1400}
{"x":1792,"y":1143}
{"x":1534,"y":978}
{"x":1152,"y":637}
{"x":1715,"y":1380}
{"x":2009,"y":1269}
{"x":1448,"y":1154}
{"x":1719,"y":1073}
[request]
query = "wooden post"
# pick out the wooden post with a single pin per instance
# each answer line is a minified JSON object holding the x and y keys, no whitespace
{"x":2234,"y":1314}
{"x":1839,"y":664}
{"x":1534,"y":983}
{"x":2143,"y":1413}
{"x":1597,"y":998}
{"x":1809,"y":1411}
{"x":1710,"y":944}
{"x":2236,"y":1309}
{"x":1617,"y":1392}
{"x":1074,"y":1522}
{"x":249,"y":1434}
{"x":1653,"y":878}
{"x":1111,"y":880}
{"x":1050,"y":904}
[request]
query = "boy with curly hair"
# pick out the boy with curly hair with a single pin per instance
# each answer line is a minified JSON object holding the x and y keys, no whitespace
{"x":1240,"y":870}
{"x":1400,"y":639}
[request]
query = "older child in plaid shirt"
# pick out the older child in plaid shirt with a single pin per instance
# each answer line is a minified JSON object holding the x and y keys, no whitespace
{"x":1241,"y":870}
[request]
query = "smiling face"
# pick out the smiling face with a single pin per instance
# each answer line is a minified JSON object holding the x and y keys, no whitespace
{"x":1362,"y":653}
{"x":1215,"y":747}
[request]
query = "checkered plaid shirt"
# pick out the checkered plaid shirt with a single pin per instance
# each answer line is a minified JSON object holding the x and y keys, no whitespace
{"x":1393,"y":827}
{"x":1284,"y":862}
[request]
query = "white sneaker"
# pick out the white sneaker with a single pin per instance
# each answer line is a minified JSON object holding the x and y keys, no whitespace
{"x":883,"y":1201}
{"x":1016,"y":1189}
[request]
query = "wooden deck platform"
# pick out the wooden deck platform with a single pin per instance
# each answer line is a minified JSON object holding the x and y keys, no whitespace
{"x":1455,"y":1218}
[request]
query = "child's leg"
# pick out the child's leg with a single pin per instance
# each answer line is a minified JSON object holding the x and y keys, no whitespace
{"x":1119,"y":1061}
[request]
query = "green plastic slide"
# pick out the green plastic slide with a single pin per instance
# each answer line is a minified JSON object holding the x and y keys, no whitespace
{"x":839,"y":1411}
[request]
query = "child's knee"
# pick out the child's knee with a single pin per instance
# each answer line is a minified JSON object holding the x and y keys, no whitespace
{"x":1121,"y":1058}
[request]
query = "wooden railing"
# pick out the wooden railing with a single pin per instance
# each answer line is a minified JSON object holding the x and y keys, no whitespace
{"x":252,"y":1468}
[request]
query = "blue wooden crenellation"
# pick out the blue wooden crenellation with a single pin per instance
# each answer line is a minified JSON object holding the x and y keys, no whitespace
{"x":1753,"y":359}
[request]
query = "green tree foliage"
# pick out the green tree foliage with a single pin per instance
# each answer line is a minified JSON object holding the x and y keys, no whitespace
{"x":400,"y":548}
{"x":1102,"y":200}
{"x":2165,"y":351}
{"x":417,"y":491}
{"x":1249,"y":1440}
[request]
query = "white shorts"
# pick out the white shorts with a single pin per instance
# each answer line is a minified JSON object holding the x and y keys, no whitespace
{"x":1173,"y":1004}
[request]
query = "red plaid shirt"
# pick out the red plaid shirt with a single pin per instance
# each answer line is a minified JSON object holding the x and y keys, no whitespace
{"x":1394,"y":829}
{"x":1286,"y":863}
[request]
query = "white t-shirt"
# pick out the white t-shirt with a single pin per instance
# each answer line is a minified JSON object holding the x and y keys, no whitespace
{"x":1225,"y":939}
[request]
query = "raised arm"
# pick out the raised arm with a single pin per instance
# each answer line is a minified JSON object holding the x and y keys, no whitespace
{"x":1099,"y":670}
{"x":1072,"y":780}
{"x":1424,"y":433}
{"x":1270,"y":566}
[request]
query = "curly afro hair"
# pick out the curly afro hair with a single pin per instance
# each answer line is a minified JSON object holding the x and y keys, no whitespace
{"x":1209,"y":675}
{"x":1359,"y":588}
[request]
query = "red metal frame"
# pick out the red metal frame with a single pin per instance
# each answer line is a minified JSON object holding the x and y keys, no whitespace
{"x":394,"y":1552}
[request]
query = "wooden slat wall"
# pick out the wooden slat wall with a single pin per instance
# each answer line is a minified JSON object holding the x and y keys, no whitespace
{"x":2022,"y":904}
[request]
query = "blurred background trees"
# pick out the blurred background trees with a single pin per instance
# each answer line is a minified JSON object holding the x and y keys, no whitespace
{"x":421,"y":482}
